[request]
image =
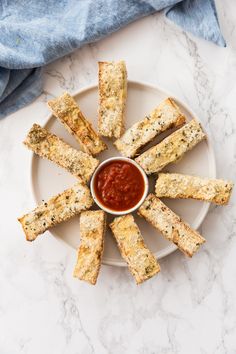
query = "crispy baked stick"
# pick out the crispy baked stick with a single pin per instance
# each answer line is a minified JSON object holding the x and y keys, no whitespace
{"x":175,"y":185}
{"x":78,"y":163}
{"x":68,"y":112}
{"x":170,"y":225}
{"x":112,"y":98}
{"x":141,"y":262}
{"x":92,"y":230}
{"x":57,"y":209}
{"x":172,"y":148}
{"x":167,"y":115}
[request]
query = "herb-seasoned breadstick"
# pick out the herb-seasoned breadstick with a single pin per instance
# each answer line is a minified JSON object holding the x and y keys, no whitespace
{"x":171,"y":148}
{"x":141,"y":262}
{"x":59,"y":208}
{"x":68,"y":112}
{"x":170,"y":225}
{"x":174,"y":185}
{"x":112,"y":98}
{"x":92,"y":229}
{"x":78,"y":163}
{"x":167,"y":115}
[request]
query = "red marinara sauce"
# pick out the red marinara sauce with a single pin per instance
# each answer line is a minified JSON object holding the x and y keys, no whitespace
{"x":119,"y":185}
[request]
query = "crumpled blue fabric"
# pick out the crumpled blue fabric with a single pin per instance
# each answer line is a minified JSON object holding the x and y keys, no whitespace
{"x":37,"y":32}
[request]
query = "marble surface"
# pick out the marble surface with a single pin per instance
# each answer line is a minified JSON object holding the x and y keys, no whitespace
{"x":190,"y":307}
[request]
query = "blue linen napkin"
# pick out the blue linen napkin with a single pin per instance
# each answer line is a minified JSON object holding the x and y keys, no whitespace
{"x":36,"y":32}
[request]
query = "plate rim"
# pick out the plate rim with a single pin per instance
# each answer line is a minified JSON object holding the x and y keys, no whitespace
{"x":212,"y":162}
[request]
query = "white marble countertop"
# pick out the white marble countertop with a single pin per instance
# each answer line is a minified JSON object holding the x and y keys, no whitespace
{"x":190,"y":307}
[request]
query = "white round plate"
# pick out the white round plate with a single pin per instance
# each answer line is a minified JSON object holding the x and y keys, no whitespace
{"x":48,"y":179}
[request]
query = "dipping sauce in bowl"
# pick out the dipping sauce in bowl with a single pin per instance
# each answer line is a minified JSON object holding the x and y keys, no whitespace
{"x":119,"y":185}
